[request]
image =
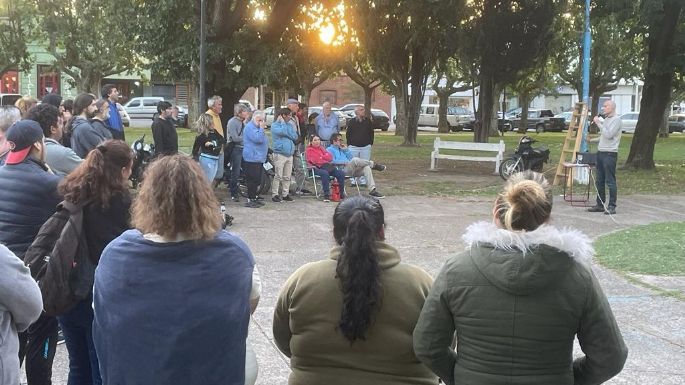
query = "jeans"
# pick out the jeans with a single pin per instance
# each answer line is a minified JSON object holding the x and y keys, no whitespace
{"x":209,"y":165}
{"x":39,"y":344}
{"x":253,"y":176}
{"x":77,"y":327}
{"x":606,"y":174}
{"x":325,"y":180}
{"x":220,"y":169}
{"x":283,"y":167}
{"x":236,"y":160}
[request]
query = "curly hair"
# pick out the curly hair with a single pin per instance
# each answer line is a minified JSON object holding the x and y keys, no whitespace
{"x":357,"y":225}
{"x":175,"y":199}
{"x":99,"y":177}
{"x":46,"y":115}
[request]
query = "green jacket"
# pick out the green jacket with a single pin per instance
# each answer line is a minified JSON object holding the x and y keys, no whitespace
{"x":517,"y":300}
{"x":308,"y":311}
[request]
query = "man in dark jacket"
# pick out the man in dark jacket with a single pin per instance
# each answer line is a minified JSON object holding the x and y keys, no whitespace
{"x":29,"y":197}
{"x":163,"y":131}
{"x":360,"y":136}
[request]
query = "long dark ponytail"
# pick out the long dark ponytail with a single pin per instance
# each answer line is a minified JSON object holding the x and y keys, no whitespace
{"x":357,"y":225}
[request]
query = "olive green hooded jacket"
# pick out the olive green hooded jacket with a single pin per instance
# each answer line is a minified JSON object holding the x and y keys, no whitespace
{"x":516,"y":301}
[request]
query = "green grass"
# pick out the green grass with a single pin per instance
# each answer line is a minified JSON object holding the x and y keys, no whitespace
{"x":667,"y":178}
{"x":657,"y":249}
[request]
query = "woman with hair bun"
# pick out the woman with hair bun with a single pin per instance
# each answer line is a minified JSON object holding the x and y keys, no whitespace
{"x":349,"y":319}
{"x":517,"y":298}
{"x":100,"y":184}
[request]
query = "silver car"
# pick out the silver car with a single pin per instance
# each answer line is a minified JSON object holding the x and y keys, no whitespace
{"x":629,"y":121}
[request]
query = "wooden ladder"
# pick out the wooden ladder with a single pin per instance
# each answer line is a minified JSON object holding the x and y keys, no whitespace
{"x":574,"y":137}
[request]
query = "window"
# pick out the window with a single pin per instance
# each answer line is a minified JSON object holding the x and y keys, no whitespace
{"x":430,"y":110}
{"x":9,"y":83}
{"x":48,"y":81}
{"x":330,"y":96}
{"x":150,"y":102}
{"x":135,"y":103}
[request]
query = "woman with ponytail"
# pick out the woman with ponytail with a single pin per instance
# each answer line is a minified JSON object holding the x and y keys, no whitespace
{"x":517,"y":298}
{"x":100,"y":185}
{"x":349,"y":319}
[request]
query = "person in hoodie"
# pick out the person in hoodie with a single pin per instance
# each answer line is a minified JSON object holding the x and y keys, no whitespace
{"x":85,"y":136}
{"x":255,"y":151}
{"x":284,"y":136}
{"x":517,"y":298}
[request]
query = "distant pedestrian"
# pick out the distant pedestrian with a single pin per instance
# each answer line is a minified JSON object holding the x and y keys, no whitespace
{"x":164,"y":132}
{"x":360,"y":136}
{"x":234,"y":146}
{"x":110,"y":93}
{"x":348,"y":319}
{"x":255,"y":152}
{"x":84,"y":137}
{"x":215,"y":104}
{"x":61,"y":160}
{"x":327,"y":124}
{"x":172,"y":297}
{"x":516,"y":300}
{"x":100,"y":184}
{"x":283,"y":137}
{"x":208,"y":146}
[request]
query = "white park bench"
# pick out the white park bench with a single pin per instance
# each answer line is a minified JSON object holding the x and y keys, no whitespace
{"x":497,"y":148}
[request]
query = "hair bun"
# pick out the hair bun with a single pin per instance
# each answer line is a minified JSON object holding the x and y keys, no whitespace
{"x":525,"y":191}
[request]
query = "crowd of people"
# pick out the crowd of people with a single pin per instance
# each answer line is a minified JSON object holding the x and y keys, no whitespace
{"x":173,"y":292}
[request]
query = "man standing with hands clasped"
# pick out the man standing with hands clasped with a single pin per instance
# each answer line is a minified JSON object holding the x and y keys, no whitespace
{"x":607,"y":154}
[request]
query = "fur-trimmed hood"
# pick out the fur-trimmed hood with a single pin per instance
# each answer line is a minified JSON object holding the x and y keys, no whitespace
{"x":524,"y":261}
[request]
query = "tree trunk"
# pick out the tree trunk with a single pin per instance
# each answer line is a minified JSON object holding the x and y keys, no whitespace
{"x":368,"y":96}
{"x":524,"y":100}
{"x":401,"y":102}
{"x":485,"y":107}
{"x":657,"y":87}
{"x":443,"y":124}
{"x":663,"y":127}
{"x":193,"y":112}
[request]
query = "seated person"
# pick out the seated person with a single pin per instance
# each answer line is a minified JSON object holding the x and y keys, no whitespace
{"x":354,"y":166}
{"x":320,"y":160}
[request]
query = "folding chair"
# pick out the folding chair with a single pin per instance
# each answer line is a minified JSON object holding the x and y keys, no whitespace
{"x":310,"y":175}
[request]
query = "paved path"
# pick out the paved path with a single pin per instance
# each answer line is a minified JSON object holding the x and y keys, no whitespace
{"x":427,"y":231}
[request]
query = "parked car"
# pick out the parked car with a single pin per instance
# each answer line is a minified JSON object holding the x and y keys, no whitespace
{"x":9,"y":99}
{"x":566,"y":115}
{"x":381,"y":120}
{"x":503,"y":125}
{"x":342,"y":118}
{"x":247,"y":104}
{"x":540,"y":121}
{"x":145,"y":107}
{"x":676,"y":123}
{"x":629,"y":121}
{"x":458,"y":118}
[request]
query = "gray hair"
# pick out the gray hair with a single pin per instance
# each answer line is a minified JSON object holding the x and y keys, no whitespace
{"x":8,"y":115}
{"x":258,"y":114}
{"x":212,"y":100}
{"x":238,"y":108}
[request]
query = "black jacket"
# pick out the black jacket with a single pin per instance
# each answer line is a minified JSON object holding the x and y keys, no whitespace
{"x":103,"y":225}
{"x":165,"y":136}
{"x":359,"y":133}
{"x":200,"y":148}
{"x":29,"y":197}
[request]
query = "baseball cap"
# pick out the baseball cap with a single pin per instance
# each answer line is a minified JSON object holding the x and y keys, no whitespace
{"x":20,"y":137}
{"x":293,"y":101}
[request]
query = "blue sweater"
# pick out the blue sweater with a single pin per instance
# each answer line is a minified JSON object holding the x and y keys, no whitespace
{"x":340,"y":156}
{"x":284,"y":136}
{"x":255,"y":143}
{"x":172,"y":313}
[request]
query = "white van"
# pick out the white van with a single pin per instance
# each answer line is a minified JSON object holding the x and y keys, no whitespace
{"x":145,"y":107}
{"x":458,"y":118}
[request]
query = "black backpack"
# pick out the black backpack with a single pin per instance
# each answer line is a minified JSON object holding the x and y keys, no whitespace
{"x":59,"y":260}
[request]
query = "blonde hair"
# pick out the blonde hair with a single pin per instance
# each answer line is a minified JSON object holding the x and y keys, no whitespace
{"x":175,"y":199}
{"x":204,"y":123}
{"x":25,"y":103}
{"x":525,"y":202}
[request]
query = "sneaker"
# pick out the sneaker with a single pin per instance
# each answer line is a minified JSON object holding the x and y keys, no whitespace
{"x":610,"y":211}
{"x":287,"y":198}
{"x":374,"y":193}
{"x":596,"y":209}
{"x":305,"y":191}
{"x":326,"y":198}
{"x":378,"y":167}
{"x":259,"y":198}
{"x":235,"y":198}
{"x":276,"y":199}
{"x":252,"y":204}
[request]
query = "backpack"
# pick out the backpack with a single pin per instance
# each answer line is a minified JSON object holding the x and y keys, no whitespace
{"x":59,"y":260}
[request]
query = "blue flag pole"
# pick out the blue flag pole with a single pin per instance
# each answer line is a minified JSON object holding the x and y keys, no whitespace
{"x":587,"y":42}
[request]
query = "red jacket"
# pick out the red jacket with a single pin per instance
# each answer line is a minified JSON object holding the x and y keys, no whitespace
{"x":317,"y":156}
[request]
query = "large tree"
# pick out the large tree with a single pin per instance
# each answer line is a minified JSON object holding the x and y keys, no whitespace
{"x":530,"y":83}
{"x":87,"y":40}
{"x":502,"y":52}
{"x":615,"y":52}
{"x":14,"y":26}
{"x":448,"y":77}
{"x":664,"y":38}
{"x":358,"y":68}
{"x":402,"y":40}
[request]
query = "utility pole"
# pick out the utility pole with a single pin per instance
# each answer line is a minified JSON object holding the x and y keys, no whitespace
{"x":203,"y":55}
{"x":587,"y":42}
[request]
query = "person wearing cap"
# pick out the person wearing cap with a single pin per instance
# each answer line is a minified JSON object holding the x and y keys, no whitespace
{"x":85,"y":137}
{"x":52,"y":99}
{"x":8,"y":115}
{"x":62,"y":160}
{"x":28,"y":198}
